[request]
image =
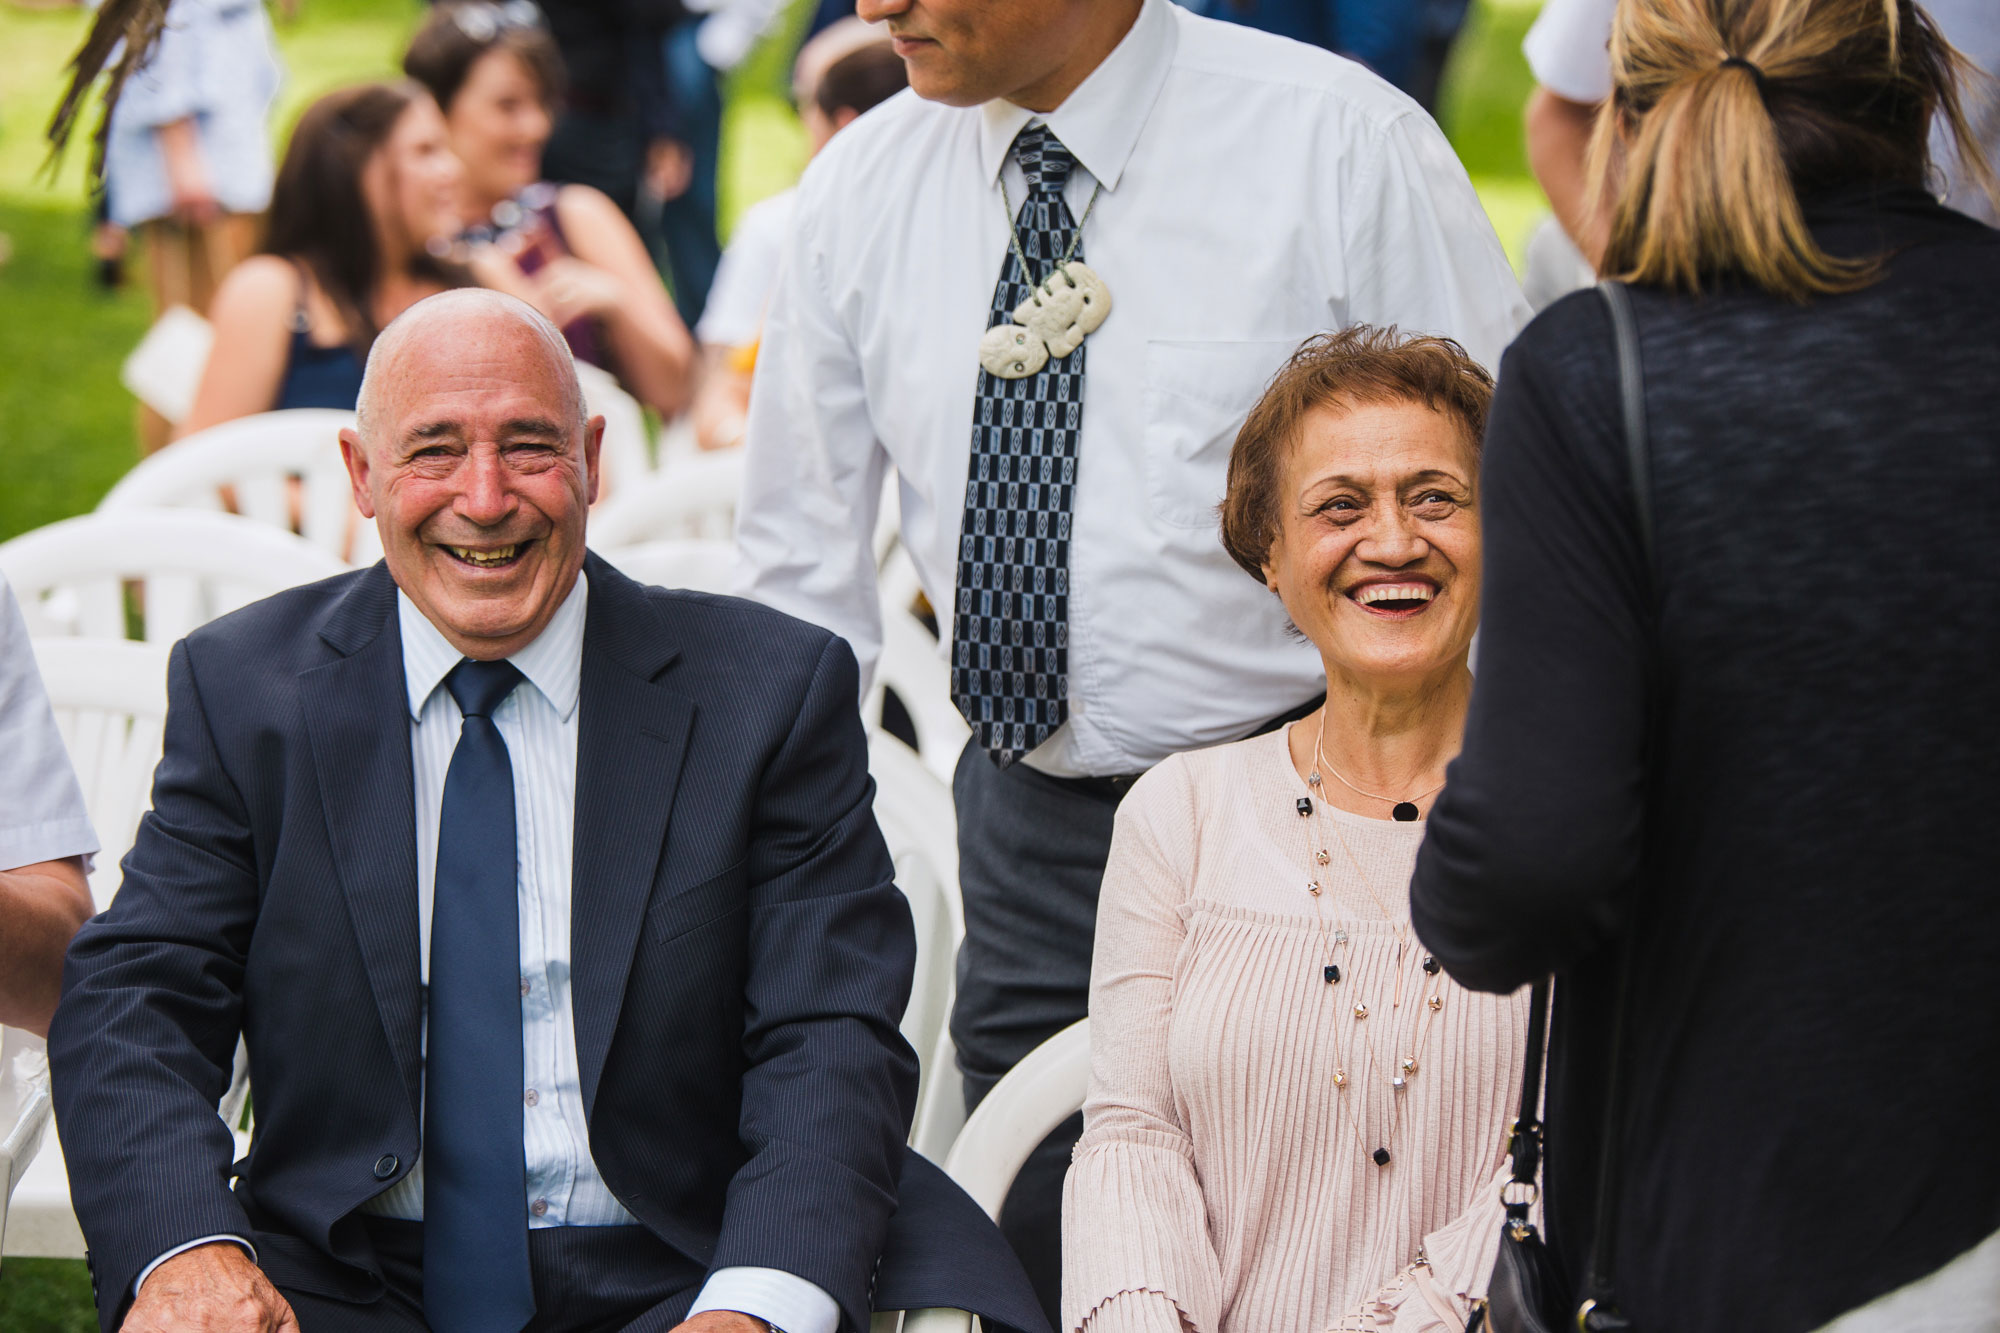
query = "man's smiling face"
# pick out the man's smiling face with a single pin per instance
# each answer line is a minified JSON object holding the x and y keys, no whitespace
{"x":478,"y":468}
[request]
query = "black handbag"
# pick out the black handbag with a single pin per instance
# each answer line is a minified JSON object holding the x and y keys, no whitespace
{"x":1525,"y":1292}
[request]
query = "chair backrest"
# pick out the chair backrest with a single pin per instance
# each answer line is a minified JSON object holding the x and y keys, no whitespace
{"x":191,"y":567}
{"x":24,"y":1116}
{"x":689,"y":497}
{"x":1038,"y":1094}
{"x":910,"y":666}
{"x":684,"y":562}
{"x":627,"y":452}
{"x":110,"y":702}
{"x":914,"y":811}
{"x":280,"y":468}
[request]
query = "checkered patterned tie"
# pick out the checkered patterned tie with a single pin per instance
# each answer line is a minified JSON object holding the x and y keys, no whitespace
{"x":1010,"y":630}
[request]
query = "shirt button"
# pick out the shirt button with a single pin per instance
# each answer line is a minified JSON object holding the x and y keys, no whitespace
{"x":525,"y":987}
{"x":539,"y":1207}
{"x":385,"y":1166}
{"x":531,"y":1096}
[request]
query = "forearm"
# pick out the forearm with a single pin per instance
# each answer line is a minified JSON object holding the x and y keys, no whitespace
{"x":654,"y":352}
{"x":41,"y":906}
{"x":1559,"y":132}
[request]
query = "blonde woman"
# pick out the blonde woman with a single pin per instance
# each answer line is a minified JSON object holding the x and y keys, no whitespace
{"x":1295,"y":1119}
{"x":1765,"y":757}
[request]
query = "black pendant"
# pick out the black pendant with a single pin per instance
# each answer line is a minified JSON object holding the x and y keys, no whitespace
{"x":1381,"y":1156}
{"x":1303,"y":805}
{"x":1405,"y":812}
{"x":1332,"y":973}
{"x":1430,"y":964}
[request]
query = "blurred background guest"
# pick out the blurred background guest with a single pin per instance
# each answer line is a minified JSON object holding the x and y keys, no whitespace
{"x":619,"y":129}
{"x":1761,"y":761}
{"x":366,"y":199}
{"x":1254,"y":949}
{"x":565,"y":249}
{"x":1405,"y":41}
{"x":45,"y":836}
{"x":841,"y":72}
{"x":682,"y":175}
{"x":188,"y":154}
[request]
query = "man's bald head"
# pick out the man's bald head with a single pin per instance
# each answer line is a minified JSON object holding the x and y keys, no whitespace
{"x":448,"y":318}
{"x":472,"y":455}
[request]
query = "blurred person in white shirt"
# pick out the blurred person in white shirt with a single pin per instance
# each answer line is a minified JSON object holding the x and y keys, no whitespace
{"x":45,"y":836}
{"x":842,"y":71}
{"x":1223,"y":194}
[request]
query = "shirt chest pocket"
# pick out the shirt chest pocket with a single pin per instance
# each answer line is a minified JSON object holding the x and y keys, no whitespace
{"x":1197,"y":395}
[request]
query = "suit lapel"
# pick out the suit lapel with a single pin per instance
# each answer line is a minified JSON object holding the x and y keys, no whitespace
{"x":632,"y":735}
{"x":367,"y":792}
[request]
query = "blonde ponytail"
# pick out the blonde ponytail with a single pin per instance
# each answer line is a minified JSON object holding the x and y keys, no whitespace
{"x":1722,"y":107}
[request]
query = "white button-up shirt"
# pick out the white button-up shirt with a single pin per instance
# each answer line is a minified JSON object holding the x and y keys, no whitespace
{"x":538,"y":721}
{"x":1255,"y":191}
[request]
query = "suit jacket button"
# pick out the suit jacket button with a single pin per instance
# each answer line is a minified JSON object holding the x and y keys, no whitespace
{"x":385,"y":1166}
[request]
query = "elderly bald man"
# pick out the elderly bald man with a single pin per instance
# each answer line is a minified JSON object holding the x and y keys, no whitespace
{"x":551,"y":908}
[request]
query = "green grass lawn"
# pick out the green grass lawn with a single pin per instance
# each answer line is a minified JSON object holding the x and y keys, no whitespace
{"x":66,"y":424}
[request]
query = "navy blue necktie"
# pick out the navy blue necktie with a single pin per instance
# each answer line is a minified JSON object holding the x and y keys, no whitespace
{"x":476,"y":1277}
{"x":1010,"y":630}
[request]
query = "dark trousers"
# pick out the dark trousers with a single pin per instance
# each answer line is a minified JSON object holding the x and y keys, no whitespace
{"x":587,"y":1280}
{"x":686,"y":225}
{"x":1031,"y":852}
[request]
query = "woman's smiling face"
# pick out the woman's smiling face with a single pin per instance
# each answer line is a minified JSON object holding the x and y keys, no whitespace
{"x":1377,"y":555}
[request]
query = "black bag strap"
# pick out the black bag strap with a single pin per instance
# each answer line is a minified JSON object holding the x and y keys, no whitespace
{"x":1596,"y":1313}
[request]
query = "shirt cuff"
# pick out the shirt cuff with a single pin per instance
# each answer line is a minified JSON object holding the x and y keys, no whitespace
{"x":147,"y":1271}
{"x":785,"y":1301}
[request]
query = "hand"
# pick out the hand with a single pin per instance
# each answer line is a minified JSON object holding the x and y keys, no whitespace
{"x":669,"y":167}
{"x":209,"y":1289}
{"x":723,"y":1321}
{"x":570,"y":289}
{"x":191,"y":190}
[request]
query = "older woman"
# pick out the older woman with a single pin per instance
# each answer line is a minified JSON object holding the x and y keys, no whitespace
{"x":1296,"y":1121}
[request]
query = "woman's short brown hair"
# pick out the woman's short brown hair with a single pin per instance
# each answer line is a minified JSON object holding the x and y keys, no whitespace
{"x":456,"y":34}
{"x":1357,"y":365}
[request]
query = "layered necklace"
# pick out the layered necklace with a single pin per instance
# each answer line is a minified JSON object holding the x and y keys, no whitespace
{"x":1315,"y":822}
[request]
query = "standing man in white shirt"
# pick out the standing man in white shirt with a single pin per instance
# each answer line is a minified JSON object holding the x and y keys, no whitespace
{"x":1224,"y":194}
{"x":45,"y":835}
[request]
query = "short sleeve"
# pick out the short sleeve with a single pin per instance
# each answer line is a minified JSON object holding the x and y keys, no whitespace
{"x":747,"y":275}
{"x":1569,"y":48}
{"x":42,"y":816}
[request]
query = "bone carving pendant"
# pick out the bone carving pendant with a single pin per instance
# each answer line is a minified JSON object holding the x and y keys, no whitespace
{"x":1066,"y":308}
{"x":1010,"y":352}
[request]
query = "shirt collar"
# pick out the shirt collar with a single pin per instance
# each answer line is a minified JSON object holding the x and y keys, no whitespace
{"x":553,"y":663}
{"x":1100,"y":122}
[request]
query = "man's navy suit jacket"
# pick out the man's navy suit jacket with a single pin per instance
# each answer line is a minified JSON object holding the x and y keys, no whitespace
{"x":740,"y":954}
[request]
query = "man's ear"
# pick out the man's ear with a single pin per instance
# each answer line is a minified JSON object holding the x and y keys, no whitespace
{"x":593,"y":440}
{"x":355,"y":454}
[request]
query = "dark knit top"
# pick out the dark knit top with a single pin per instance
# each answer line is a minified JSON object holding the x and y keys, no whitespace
{"x":1805,"y":851}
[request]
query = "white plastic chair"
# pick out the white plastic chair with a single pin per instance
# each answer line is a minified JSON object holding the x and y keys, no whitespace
{"x":1045,"y":1089}
{"x":110,"y":702}
{"x":109,"y":697}
{"x":910,"y":666}
{"x":24,"y":1118}
{"x":627,"y":452}
{"x":690,"y":497}
{"x":283,"y":469}
{"x":914,"y":810}
{"x":71,"y":576}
